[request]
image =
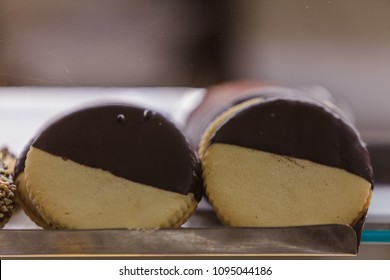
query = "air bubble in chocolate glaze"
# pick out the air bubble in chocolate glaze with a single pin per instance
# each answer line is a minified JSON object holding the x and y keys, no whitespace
{"x":120,"y":118}
{"x":148,"y":115}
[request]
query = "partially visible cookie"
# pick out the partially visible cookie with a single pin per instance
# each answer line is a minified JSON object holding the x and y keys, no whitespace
{"x":8,"y":159}
{"x":112,"y":166}
{"x":7,"y":191}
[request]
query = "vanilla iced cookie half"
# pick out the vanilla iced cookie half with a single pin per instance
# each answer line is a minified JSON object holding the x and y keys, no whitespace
{"x":285,"y":161}
{"x":113,"y":166}
{"x":22,"y":194}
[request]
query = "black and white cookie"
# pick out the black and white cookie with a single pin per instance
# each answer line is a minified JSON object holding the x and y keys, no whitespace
{"x":274,"y":159}
{"x":112,"y":166}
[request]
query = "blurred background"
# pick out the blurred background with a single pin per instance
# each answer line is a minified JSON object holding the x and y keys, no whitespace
{"x":343,"y":46}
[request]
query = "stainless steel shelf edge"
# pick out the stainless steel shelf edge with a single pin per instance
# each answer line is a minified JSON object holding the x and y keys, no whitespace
{"x":321,"y":240}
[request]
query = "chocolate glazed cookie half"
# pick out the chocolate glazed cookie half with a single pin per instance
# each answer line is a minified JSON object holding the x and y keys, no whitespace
{"x":113,"y":166}
{"x":285,"y":161}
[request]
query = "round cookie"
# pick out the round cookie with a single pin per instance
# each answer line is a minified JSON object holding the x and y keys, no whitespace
{"x":113,"y":166}
{"x":273,"y":160}
{"x":7,"y":193}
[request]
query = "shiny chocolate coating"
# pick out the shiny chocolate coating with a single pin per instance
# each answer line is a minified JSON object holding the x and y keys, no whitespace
{"x":21,"y":161}
{"x":299,"y":128}
{"x":216,"y":98}
{"x":129,"y":142}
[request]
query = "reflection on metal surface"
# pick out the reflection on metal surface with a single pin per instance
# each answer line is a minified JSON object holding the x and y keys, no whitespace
{"x":328,"y":240}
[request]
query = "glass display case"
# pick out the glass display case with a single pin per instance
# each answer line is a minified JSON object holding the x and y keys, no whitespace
{"x":203,"y":234}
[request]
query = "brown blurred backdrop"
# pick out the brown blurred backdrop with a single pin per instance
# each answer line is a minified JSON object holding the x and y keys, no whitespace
{"x":342,"y":45}
{"x":111,"y":42}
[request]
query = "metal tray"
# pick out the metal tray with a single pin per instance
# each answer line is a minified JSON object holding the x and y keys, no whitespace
{"x":329,"y":240}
